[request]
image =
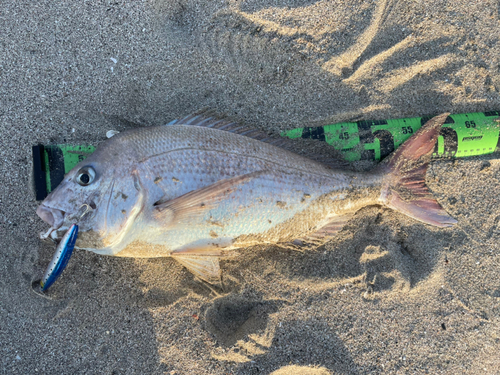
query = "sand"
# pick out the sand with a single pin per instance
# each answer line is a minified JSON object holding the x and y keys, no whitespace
{"x":387,"y":296}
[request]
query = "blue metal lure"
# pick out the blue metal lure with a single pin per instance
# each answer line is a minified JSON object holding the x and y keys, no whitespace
{"x":60,"y":259}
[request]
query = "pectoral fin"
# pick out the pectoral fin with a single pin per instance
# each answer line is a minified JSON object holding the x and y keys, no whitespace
{"x":204,"y":267}
{"x":195,"y":203}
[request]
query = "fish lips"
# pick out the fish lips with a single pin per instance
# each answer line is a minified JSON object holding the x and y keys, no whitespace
{"x":52,"y":216}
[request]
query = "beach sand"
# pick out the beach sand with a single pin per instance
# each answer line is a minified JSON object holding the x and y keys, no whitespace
{"x":388,"y":295}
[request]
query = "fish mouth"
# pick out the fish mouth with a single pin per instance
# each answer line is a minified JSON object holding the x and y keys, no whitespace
{"x":52,"y":216}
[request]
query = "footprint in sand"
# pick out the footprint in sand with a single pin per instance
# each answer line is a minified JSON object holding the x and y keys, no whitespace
{"x":242,"y":323}
{"x":385,"y":270}
{"x":382,"y":56}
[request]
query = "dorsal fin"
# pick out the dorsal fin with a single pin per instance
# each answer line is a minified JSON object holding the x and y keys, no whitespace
{"x":210,"y":120}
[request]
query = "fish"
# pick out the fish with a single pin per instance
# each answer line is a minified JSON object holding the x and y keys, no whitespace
{"x":202,"y":187}
{"x":60,"y":259}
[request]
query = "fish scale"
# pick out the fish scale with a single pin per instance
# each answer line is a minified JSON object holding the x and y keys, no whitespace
{"x":255,"y":208}
{"x":165,"y":139}
{"x":202,"y":168}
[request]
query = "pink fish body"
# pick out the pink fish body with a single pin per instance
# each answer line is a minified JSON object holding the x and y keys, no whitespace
{"x":198,"y":189}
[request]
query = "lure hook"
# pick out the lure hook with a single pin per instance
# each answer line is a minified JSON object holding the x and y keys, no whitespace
{"x":77,"y":216}
{"x":87,"y":209}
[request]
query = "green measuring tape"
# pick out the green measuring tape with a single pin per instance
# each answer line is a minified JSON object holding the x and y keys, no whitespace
{"x":462,"y":135}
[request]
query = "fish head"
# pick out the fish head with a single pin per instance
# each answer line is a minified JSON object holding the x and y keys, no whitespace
{"x":102,"y":195}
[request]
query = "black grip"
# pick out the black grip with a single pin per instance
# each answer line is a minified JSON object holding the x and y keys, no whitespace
{"x":39,"y":180}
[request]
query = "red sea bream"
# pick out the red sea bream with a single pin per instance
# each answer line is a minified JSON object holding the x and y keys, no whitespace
{"x":199,"y":188}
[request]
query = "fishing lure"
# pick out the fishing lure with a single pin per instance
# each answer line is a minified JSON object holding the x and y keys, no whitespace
{"x":60,"y":259}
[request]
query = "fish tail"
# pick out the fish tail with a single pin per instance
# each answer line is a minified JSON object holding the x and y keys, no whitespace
{"x":403,"y":186}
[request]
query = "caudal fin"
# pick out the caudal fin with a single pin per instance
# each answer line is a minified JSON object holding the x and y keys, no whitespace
{"x":404,"y":188}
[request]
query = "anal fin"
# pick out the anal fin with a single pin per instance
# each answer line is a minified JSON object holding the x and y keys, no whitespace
{"x":330,"y":229}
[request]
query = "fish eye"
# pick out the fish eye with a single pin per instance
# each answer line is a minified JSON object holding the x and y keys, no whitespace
{"x":85,"y":176}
